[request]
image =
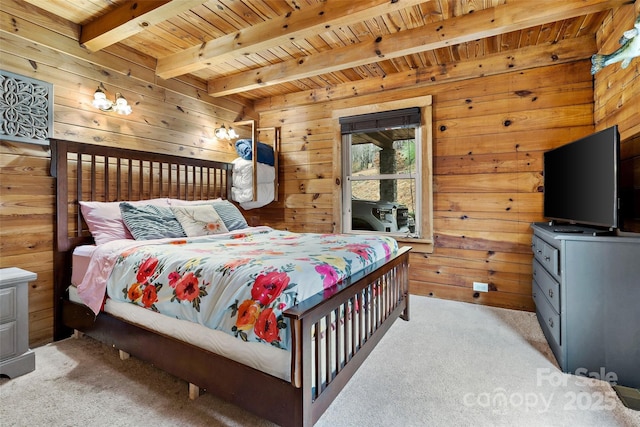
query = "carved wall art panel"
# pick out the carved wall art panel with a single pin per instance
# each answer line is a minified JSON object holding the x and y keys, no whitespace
{"x":26,"y":109}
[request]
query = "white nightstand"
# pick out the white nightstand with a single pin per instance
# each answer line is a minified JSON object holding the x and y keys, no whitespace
{"x":15,"y":357}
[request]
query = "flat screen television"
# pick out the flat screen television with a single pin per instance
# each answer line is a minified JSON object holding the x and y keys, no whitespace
{"x":581,"y":181}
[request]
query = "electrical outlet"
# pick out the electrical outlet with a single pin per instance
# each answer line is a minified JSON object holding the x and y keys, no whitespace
{"x":480,"y":287}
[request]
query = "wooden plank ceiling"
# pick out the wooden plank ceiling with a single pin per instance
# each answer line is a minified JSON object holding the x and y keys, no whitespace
{"x":263,"y":48}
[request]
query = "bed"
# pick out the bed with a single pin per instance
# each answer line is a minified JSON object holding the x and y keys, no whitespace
{"x":330,"y":333}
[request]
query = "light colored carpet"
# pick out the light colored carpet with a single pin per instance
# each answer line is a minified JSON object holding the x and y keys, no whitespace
{"x":453,"y":364}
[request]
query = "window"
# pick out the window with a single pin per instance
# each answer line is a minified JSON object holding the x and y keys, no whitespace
{"x":381,"y":158}
{"x":385,"y":171}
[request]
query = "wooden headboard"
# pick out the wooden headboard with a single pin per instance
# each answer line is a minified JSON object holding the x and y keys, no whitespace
{"x":87,"y":172}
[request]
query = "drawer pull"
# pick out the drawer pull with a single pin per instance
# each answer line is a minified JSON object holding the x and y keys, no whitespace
{"x":550,"y":293}
{"x":550,"y":322}
{"x":547,"y":258}
{"x":539,"y":251}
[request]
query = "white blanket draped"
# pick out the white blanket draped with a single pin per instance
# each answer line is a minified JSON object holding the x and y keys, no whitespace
{"x":242,"y":184}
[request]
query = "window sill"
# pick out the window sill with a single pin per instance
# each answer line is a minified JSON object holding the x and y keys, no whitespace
{"x":424,"y":246}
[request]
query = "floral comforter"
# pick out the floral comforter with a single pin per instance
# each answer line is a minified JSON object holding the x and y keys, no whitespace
{"x":238,"y":282}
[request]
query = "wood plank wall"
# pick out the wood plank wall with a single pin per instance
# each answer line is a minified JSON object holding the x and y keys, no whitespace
{"x":617,"y":95}
{"x":489,"y":137}
{"x":174,"y":116}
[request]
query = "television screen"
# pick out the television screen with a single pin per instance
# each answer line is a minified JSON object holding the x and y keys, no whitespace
{"x":581,"y":180}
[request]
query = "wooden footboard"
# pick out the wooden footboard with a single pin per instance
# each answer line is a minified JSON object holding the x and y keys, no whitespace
{"x":333,"y":334}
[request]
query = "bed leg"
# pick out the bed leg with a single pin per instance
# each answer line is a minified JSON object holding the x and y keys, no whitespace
{"x":405,"y":312}
{"x":77,"y":334}
{"x":194,"y":391}
{"x":123,"y":355}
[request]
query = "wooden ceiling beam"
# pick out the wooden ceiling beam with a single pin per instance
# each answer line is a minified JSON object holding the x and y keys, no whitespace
{"x":480,"y":24}
{"x":129,"y":19}
{"x":295,"y":25}
{"x":525,"y":58}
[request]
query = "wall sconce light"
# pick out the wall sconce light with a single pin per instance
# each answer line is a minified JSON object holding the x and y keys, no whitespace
{"x":223,"y":133}
{"x":119,"y":106}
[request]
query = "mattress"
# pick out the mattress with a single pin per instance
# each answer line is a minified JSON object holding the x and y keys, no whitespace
{"x":80,"y":262}
{"x":265,"y":358}
{"x":270,"y":360}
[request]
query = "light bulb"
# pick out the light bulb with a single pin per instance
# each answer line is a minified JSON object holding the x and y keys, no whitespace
{"x":101,"y":102}
{"x":122,"y":107}
{"x":221,"y":133}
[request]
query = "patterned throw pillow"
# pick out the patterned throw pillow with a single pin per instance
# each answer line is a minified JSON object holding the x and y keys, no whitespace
{"x":228,"y":212}
{"x":199,"y":220}
{"x":150,"y":222}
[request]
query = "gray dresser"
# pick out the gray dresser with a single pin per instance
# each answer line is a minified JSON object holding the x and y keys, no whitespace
{"x":586,"y":289}
{"x":15,"y":357}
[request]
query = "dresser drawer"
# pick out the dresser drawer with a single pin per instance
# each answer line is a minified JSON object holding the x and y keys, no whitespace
{"x":8,"y":338}
{"x":8,"y":301}
{"x":548,"y":285}
{"x":549,"y":318}
{"x":15,"y":357}
{"x":547,"y":255}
